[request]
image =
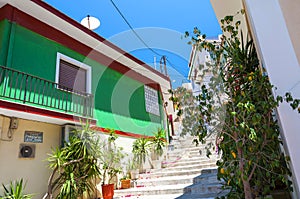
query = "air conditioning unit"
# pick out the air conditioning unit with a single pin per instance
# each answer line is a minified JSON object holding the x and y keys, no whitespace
{"x":67,"y":132}
{"x":27,"y":151}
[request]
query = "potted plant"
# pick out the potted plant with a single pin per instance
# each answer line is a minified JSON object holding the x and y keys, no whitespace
{"x":141,"y":150}
{"x":111,"y":165}
{"x":15,"y":191}
{"x":75,"y":166}
{"x":132,"y":169}
{"x":125,"y":181}
{"x":158,"y":143}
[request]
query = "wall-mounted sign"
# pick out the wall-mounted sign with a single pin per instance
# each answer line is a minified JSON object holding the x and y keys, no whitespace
{"x":33,"y":136}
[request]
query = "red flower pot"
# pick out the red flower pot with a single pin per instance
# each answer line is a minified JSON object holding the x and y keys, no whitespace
{"x":108,"y":191}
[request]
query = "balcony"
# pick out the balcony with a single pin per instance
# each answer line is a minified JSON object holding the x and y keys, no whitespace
{"x":23,"y":88}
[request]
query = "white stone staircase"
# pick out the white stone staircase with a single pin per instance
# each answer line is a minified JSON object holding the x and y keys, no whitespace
{"x":189,"y":174}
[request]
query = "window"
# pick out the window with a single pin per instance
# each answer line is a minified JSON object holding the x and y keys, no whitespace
{"x":72,"y":74}
{"x":151,"y":100}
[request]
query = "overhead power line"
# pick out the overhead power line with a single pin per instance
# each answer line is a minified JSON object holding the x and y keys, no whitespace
{"x":138,"y":36}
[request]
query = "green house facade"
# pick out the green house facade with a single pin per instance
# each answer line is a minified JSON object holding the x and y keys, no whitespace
{"x":45,"y":68}
{"x":54,"y":74}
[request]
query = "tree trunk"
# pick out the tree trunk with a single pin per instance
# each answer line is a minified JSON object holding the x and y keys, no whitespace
{"x":247,"y":189}
{"x":49,"y":192}
{"x":246,"y":183}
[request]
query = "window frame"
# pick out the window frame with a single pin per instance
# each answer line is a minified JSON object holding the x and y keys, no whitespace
{"x":77,"y":63}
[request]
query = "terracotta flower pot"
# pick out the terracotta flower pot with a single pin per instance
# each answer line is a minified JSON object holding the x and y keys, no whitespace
{"x":125,"y":184}
{"x":108,"y":191}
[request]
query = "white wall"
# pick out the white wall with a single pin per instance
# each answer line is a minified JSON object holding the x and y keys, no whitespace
{"x":291,"y":10}
{"x":279,"y":58}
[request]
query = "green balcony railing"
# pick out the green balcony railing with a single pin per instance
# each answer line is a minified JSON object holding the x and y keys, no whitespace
{"x":24,"y":88}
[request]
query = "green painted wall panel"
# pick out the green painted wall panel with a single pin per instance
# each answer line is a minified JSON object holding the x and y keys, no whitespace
{"x":33,"y":54}
{"x":4,"y":40}
{"x":109,"y":120}
{"x":116,"y":95}
{"x":139,"y":94}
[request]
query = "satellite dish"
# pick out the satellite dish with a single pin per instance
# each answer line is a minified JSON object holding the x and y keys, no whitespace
{"x":90,"y":22}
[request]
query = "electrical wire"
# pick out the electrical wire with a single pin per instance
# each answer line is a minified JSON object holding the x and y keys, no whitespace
{"x":132,"y":29}
{"x":138,"y":36}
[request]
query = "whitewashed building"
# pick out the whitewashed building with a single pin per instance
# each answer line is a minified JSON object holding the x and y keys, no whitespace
{"x":275,"y":27}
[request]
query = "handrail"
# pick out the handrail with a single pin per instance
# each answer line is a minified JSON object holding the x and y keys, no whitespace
{"x":29,"y":89}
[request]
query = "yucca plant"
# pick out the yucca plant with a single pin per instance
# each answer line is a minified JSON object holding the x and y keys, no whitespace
{"x":158,"y":142}
{"x":141,"y":150}
{"x":75,"y":166}
{"x":15,"y":191}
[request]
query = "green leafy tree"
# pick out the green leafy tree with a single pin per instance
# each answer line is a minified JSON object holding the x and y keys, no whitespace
{"x":187,"y":108}
{"x":75,"y":165}
{"x":239,"y":107}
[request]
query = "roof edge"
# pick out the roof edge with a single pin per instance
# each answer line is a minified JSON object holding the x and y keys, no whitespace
{"x":96,"y":36}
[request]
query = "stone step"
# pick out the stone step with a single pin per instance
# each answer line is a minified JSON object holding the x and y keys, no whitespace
{"x":173,"y":173}
{"x":154,"y":190}
{"x":207,"y":188}
{"x":183,"y":143}
{"x":199,"y":196}
{"x":168,"y":180}
{"x":203,"y":195}
{"x":166,"y":196}
{"x":176,"y":172}
{"x":190,"y":155}
{"x":185,"y":179}
{"x":189,"y":141}
{"x":198,"y":158}
{"x":185,"y":162}
{"x":199,"y":166}
{"x":207,"y":174}
{"x":177,"y":152}
{"x":174,"y":156}
{"x":196,"y":148}
{"x":181,"y":190}
{"x":178,"y":148}
{"x":194,"y":151}
{"x":189,"y":174}
{"x":183,"y":146}
{"x":197,"y":153}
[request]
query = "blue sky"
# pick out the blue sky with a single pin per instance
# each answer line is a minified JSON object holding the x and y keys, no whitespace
{"x":160,"y":24}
